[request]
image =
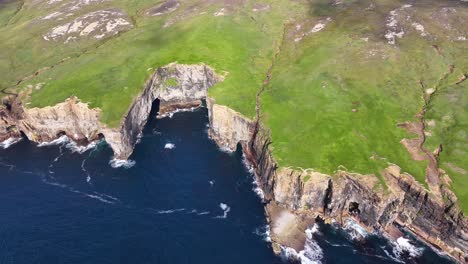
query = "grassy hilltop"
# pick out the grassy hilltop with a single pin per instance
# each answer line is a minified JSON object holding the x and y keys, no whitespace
{"x":345,"y":74}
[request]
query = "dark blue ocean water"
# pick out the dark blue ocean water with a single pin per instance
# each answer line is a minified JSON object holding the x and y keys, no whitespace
{"x":190,"y":204}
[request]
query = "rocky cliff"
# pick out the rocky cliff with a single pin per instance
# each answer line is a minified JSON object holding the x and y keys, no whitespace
{"x":298,"y":196}
{"x":175,"y":85}
{"x":353,"y":198}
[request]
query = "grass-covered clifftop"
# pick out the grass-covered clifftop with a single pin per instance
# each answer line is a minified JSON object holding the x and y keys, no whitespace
{"x":347,"y":76}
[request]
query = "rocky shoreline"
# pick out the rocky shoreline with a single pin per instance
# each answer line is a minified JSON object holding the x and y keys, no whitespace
{"x":294,"y":198}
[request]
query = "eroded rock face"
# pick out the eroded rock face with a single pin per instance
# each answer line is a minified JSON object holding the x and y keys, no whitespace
{"x":344,"y":197}
{"x":95,"y":25}
{"x":71,"y":117}
{"x":181,"y":85}
{"x":227,"y":127}
{"x":175,"y":84}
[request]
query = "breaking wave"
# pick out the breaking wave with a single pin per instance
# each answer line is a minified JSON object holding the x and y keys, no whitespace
{"x":256,"y":188}
{"x":403,"y":247}
{"x":117,"y":163}
{"x":9,"y":142}
{"x":225,"y":209}
{"x":354,"y":230}
{"x":169,"y":146}
{"x":69,"y":144}
{"x":172,"y":113}
{"x":264,"y":232}
{"x":312,"y":253}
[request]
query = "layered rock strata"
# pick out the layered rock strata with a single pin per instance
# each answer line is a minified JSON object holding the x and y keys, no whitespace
{"x":294,"y":198}
{"x":176,"y":86}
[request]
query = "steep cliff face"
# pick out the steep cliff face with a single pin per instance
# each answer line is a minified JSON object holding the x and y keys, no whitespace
{"x":227,"y":127}
{"x":175,"y":85}
{"x":294,"y":198}
{"x":343,"y":197}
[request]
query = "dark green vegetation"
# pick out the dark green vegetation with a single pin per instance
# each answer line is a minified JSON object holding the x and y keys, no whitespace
{"x":345,"y":75}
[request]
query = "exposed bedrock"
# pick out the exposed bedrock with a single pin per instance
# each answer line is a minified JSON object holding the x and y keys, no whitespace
{"x":175,"y":85}
{"x":345,"y":196}
{"x":294,"y":198}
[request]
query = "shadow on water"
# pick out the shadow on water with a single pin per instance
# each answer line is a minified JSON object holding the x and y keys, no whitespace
{"x":184,"y":201}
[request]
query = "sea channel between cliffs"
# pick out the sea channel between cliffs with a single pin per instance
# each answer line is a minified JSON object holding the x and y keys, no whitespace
{"x":292,"y":203}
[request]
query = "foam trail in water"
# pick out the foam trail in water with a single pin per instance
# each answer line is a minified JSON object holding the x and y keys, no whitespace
{"x":391,"y":256}
{"x":169,"y":146}
{"x":172,"y":113}
{"x":170,"y":211}
{"x":56,"y":159}
{"x":225,"y":209}
{"x":117,"y":163}
{"x":83,"y":168}
{"x":9,"y":142}
{"x":50,"y":180}
{"x":10,"y":166}
{"x":212,"y":183}
{"x":204,"y":213}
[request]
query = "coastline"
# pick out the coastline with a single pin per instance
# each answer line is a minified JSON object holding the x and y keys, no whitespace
{"x":299,"y":196}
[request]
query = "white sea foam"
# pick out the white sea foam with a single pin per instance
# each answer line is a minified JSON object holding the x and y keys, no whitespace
{"x":61,"y":140}
{"x":170,"y":211}
{"x":169,"y":146}
{"x":69,"y":144}
{"x":212,"y":183}
{"x":9,"y":142}
{"x":264,"y":232}
{"x":312,"y":253}
{"x":172,"y":113}
{"x":258,"y":191}
{"x":354,"y":230}
{"x":404,"y":246}
{"x":117,"y":163}
{"x":203,"y":213}
{"x":225,"y":209}
{"x":256,"y":188}
{"x":95,"y":195}
{"x":315,"y":229}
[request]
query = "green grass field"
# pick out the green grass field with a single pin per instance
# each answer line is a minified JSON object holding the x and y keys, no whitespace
{"x":336,"y":93}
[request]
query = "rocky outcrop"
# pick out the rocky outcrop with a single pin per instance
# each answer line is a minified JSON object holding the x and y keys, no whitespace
{"x":362,"y":199}
{"x":227,"y":127}
{"x":343,"y":197}
{"x":294,"y":198}
{"x":175,"y":85}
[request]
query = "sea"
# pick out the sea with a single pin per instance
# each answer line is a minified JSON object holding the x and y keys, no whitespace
{"x":180,"y":199}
